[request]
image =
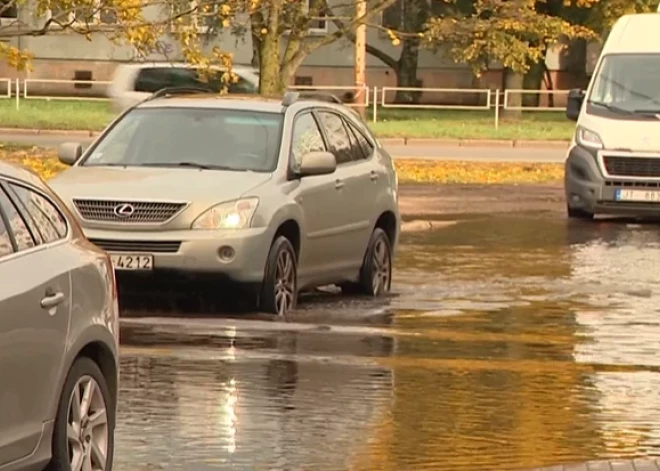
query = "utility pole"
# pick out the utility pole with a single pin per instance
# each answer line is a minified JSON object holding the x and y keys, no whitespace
{"x":360,"y":57}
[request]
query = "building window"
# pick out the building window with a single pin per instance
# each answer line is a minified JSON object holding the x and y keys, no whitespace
{"x":93,"y":14}
{"x":197,"y":15}
{"x":392,"y":16}
{"x":313,"y":10}
{"x":8,"y":11}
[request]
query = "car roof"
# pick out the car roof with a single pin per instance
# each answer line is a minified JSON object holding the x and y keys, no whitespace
{"x":144,"y":65}
{"x":21,"y":173}
{"x":232,"y":102}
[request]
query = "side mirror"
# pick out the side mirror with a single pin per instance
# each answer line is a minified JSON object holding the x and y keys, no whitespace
{"x":574,"y":104}
{"x":317,"y":163}
{"x":69,"y":152}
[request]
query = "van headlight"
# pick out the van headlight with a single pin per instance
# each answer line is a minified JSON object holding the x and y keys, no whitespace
{"x":230,"y":215}
{"x":588,"y":139}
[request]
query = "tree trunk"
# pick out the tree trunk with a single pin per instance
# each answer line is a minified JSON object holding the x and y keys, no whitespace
{"x":406,"y":72}
{"x":513,"y":81}
{"x":533,"y":80}
{"x":270,"y":83}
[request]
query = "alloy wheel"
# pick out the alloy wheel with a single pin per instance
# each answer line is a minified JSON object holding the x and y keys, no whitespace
{"x":285,"y":282}
{"x":381,"y":272}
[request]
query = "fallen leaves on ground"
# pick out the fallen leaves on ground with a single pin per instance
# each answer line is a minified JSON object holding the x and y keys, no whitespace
{"x":46,"y":165}
{"x":456,"y":171}
{"x":43,"y":162}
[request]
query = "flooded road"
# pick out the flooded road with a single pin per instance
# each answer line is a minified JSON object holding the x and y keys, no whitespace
{"x":511,"y":342}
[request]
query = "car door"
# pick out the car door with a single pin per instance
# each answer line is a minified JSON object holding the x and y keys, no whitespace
{"x":320,"y":201}
{"x":34,"y":314}
{"x":352,"y":220}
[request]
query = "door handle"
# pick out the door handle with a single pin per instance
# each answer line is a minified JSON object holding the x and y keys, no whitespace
{"x":52,"y":300}
{"x":339,"y":184}
{"x":373,"y":176}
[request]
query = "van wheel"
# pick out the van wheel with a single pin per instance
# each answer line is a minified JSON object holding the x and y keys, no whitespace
{"x":574,"y":213}
{"x":376,"y":271}
{"x":84,"y":426}
{"x":279,"y":292}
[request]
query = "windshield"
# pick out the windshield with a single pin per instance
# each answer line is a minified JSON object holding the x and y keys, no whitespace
{"x":628,"y":82}
{"x":192,"y":137}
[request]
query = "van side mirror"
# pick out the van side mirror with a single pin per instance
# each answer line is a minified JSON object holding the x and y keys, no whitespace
{"x":574,"y":103}
{"x":69,"y":152}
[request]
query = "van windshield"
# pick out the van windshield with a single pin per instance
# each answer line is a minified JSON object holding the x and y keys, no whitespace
{"x":628,"y":83}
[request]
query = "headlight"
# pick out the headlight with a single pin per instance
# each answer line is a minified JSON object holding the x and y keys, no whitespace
{"x":588,"y":139}
{"x":231,"y":215}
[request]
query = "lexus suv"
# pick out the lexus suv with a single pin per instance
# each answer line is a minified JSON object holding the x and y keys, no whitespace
{"x":58,"y":334}
{"x":279,"y":195}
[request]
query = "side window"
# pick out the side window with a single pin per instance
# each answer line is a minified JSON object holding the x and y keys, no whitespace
{"x":242,"y":86}
{"x":6,"y":246}
{"x":22,"y":235}
{"x":338,"y":137}
{"x":51,"y":224}
{"x":306,"y":138}
{"x":363,"y":142}
{"x":151,"y":79}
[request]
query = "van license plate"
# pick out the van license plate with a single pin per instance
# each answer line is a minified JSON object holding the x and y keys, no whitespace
{"x":132,"y":261}
{"x":637,"y":195}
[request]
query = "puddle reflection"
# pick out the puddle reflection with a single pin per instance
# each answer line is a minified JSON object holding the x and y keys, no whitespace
{"x":510,"y":343}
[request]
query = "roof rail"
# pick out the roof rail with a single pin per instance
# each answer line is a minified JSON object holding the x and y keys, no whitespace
{"x":290,"y":97}
{"x":170,"y":91}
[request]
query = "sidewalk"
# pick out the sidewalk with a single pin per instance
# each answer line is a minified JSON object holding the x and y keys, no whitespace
{"x":387,"y":141}
{"x":648,"y":464}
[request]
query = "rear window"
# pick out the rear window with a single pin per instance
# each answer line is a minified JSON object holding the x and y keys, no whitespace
{"x":206,"y":137}
{"x":152,"y":79}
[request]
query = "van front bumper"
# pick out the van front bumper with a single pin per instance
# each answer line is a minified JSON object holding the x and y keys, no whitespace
{"x":588,"y":189}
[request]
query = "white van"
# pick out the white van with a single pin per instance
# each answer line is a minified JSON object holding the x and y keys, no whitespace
{"x":613,"y":163}
{"x":135,"y":82}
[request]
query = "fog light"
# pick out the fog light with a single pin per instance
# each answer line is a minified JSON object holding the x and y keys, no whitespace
{"x":575,"y":198}
{"x":226,"y":253}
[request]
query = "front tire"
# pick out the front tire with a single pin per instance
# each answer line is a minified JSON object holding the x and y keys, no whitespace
{"x":376,"y":271}
{"x":279,"y":292}
{"x":84,"y":426}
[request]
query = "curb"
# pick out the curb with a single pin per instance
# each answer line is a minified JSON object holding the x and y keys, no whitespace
{"x":500,"y":143}
{"x":396,"y":141}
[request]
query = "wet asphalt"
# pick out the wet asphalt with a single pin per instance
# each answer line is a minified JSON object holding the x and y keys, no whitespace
{"x":510,"y":342}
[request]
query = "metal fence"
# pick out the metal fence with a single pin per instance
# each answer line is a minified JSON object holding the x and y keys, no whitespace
{"x":374,"y":99}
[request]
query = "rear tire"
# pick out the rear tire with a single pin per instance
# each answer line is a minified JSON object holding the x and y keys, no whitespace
{"x":279,"y":291}
{"x":92,"y":420}
{"x":574,"y":213}
{"x":376,"y":271}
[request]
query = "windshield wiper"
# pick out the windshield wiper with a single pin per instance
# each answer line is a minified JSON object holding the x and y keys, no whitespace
{"x":612,"y":108}
{"x":649,"y":112}
{"x":191,"y":165}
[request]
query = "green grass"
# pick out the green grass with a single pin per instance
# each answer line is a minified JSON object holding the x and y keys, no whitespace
{"x":95,"y":115}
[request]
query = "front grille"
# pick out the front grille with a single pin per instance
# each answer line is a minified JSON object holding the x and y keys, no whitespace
{"x":632,"y":166}
{"x":150,"y":246}
{"x":143,"y":212}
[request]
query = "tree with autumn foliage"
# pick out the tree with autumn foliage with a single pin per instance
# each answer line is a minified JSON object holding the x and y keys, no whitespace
{"x":518,"y":33}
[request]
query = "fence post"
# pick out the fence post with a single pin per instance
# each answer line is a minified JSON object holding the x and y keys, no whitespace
{"x":497,"y":108}
{"x":374,"y":115}
{"x":18,"y":93}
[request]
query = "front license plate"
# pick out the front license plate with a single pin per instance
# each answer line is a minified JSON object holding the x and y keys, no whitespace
{"x":637,"y":195}
{"x":132,"y":261}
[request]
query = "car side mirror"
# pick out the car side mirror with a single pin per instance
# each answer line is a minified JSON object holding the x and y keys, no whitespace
{"x":317,"y":163}
{"x":574,"y":104}
{"x":69,"y":152}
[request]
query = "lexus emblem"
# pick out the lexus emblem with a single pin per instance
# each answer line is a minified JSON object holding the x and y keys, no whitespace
{"x":124,"y":210}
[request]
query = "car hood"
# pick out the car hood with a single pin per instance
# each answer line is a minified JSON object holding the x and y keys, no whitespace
{"x":199,"y":187}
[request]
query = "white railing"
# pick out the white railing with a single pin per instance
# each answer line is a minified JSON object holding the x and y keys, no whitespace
{"x":375,"y":98}
{"x":356,"y":91}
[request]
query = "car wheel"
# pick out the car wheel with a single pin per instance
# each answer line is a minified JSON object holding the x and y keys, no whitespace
{"x":376,"y":271}
{"x":83,"y":438}
{"x":279,"y":292}
{"x":574,"y":213}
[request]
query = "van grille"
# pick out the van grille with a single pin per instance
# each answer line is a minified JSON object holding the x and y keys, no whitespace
{"x":632,"y":166}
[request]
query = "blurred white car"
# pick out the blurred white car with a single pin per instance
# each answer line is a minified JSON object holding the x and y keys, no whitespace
{"x":133,"y":83}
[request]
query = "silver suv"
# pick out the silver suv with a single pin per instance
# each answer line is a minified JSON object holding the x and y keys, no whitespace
{"x":278,"y":194}
{"x":58,"y":334}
